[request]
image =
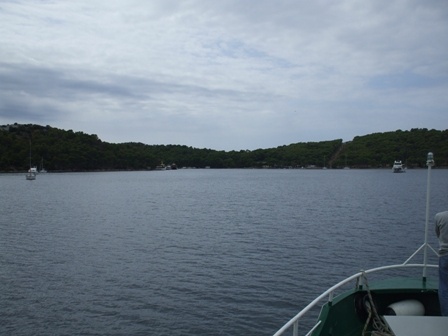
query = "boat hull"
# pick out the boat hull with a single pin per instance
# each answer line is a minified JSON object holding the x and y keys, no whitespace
{"x":348,"y":313}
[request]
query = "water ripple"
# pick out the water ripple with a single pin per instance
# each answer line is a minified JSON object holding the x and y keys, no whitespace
{"x":195,"y":252}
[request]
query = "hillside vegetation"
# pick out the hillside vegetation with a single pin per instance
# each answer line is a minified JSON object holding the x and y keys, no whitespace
{"x":62,"y":150}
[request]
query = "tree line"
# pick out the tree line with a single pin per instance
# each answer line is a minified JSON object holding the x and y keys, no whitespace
{"x":66,"y":150}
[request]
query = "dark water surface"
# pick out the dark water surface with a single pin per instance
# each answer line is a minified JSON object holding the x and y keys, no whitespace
{"x":196,"y":252}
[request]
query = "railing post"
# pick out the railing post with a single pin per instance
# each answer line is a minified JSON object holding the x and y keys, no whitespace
{"x":295,"y":331}
{"x":429,"y":163}
{"x":360,"y":281}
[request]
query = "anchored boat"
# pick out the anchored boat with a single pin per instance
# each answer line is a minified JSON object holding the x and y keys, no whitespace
{"x":31,"y":175}
{"x":398,"y":167}
{"x":404,"y":305}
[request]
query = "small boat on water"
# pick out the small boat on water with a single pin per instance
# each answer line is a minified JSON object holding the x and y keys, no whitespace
{"x":398,"y":167}
{"x":405,"y":305}
{"x":42,"y":169}
{"x":30,"y":176}
{"x":32,"y":172}
{"x":161,"y":167}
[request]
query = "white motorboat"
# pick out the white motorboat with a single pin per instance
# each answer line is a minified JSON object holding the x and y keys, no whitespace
{"x":398,"y":167}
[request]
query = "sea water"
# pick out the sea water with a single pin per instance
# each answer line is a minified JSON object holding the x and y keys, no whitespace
{"x":197,"y":251}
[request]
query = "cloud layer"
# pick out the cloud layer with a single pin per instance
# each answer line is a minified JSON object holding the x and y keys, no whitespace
{"x":227,"y":74}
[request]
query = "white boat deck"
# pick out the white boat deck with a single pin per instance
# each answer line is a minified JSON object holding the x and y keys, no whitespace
{"x":418,"y":325}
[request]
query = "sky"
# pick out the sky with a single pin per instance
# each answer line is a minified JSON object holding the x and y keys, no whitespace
{"x":225,"y":75}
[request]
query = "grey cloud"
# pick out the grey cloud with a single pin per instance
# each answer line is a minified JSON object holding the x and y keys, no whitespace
{"x":44,"y":82}
{"x":20,"y":109}
{"x":53,"y":82}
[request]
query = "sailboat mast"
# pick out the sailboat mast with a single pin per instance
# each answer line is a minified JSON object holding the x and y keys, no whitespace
{"x":30,"y":154}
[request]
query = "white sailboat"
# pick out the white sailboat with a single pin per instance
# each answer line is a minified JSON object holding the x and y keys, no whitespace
{"x":32,"y":171}
{"x":42,"y":169}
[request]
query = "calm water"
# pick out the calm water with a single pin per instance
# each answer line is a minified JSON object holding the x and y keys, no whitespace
{"x":196,"y":252}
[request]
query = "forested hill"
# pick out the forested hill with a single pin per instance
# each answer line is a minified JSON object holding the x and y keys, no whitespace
{"x":61,"y":150}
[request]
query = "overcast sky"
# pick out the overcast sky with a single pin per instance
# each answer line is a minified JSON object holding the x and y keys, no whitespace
{"x":224,"y":74}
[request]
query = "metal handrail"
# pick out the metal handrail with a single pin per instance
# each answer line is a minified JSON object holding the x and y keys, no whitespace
{"x":329,"y":292}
